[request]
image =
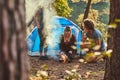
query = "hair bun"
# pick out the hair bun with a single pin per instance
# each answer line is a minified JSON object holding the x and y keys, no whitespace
{"x":67,"y":28}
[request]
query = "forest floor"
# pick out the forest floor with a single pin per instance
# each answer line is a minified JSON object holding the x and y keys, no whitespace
{"x":57,"y":70}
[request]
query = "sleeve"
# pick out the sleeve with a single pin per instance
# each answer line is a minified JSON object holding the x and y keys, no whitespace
{"x":74,"y":40}
{"x":98,"y":38}
{"x":73,"y":44}
{"x":61,"y":43}
{"x":98,"y":35}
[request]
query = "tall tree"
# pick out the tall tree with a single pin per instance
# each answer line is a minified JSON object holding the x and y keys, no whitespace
{"x":112,"y":70}
{"x":13,"y":61}
{"x":87,"y":9}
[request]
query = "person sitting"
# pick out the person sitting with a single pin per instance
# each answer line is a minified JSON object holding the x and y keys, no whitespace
{"x":68,"y":44}
{"x":92,"y":39}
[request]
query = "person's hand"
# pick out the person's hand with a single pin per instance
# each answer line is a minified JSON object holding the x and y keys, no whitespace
{"x":85,"y":30}
{"x":84,"y":37}
{"x":70,"y":52}
{"x":82,"y":45}
{"x":85,"y":45}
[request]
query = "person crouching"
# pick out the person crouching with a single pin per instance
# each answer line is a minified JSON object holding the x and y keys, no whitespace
{"x":68,"y":44}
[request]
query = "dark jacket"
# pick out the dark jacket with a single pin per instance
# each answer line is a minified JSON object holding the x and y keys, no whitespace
{"x":68,"y":46}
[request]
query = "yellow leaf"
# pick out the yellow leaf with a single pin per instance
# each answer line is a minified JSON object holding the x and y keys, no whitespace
{"x":97,"y":47}
{"x":73,"y":70}
{"x":68,"y":72}
{"x":97,"y":53}
{"x":81,"y":60}
{"x":114,"y":25}
{"x":43,"y":73}
{"x":117,"y":20}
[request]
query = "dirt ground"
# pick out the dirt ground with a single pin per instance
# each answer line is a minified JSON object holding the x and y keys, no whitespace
{"x":88,"y":71}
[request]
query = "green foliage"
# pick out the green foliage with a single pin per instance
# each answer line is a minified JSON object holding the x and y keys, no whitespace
{"x":112,"y":25}
{"x":74,"y":1}
{"x":117,"y":20}
{"x":62,"y":8}
{"x":102,"y":8}
{"x":103,"y":28}
{"x":103,"y":17}
{"x":93,"y":1}
{"x":45,"y":67}
{"x":79,"y":19}
{"x":100,"y":5}
{"x":107,"y":53}
{"x":78,"y":8}
{"x":93,"y":14}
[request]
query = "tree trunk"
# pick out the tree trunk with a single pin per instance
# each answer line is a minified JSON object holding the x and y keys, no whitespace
{"x":112,"y":70}
{"x":13,"y":58}
{"x":87,"y":10}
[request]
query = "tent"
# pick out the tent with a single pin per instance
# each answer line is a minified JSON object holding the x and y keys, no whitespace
{"x":59,"y":24}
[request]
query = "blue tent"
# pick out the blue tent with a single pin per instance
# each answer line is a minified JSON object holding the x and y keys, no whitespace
{"x":59,"y":24}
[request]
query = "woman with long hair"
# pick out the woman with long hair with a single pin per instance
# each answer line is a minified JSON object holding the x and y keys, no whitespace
{"x":68,"y":43}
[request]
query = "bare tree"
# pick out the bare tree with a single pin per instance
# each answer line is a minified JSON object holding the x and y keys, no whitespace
{"x":13,"y":59}
{"x":112,"y":70}
{"x":87,"y":10}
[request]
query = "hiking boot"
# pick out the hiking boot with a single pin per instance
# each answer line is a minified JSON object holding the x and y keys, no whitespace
{"x":46,"y":57}
{"x":43,"y":58}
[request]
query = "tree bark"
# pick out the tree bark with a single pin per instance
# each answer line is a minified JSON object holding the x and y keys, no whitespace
{"x":13,"y":55}
{"x":112,"y":70}
{"x":87,"y":10}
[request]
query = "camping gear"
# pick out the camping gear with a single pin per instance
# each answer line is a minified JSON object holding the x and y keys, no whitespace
{"x":57,"y":30}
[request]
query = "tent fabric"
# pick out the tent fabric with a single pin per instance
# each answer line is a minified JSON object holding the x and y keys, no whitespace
{"x":64,"y":22}
{"x":60,"y":23}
